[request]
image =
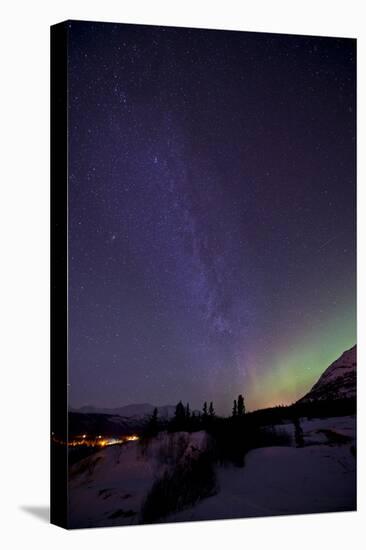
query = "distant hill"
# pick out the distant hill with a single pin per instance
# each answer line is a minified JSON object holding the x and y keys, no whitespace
{"x":136,"y":411}
{"x":338,"y":381}
{"x":106,"y":424}
{"x":119,"y":421}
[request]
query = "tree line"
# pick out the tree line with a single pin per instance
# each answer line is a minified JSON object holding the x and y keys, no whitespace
{"x":185,"y":419}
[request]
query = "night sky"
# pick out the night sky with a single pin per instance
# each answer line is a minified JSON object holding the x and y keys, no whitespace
{"x":211,"y":214}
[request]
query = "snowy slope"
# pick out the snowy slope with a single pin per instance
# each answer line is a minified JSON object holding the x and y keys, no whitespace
{"x":338,"y":381}
{"x":110,"y":486}
{"x":320,"y":477}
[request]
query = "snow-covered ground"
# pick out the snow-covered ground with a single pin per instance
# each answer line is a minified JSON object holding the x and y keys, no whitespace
{"x":314,"y":429}
{"x":319,"y":477}
{"x":109,"y":487}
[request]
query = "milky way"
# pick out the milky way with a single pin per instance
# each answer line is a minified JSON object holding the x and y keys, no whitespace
{"x":211,"y":214}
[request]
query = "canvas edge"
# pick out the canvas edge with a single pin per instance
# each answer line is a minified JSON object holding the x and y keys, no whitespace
{"x":59,"y":270}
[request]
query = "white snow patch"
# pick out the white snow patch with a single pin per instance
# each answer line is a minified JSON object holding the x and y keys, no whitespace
{"x":116,"y":480}
{"x":286,"y":480}
{"x":319,"y":477}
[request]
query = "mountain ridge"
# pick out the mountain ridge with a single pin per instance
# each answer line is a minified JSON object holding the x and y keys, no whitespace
{"x":338,"y":381}
{"x":135,"y":410}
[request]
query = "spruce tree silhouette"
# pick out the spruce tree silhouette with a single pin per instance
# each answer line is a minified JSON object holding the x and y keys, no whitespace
{"x":299,"y":434}
{"x":153,"y":423}
{"x":241,"y":406}
{"x":179,"y":417}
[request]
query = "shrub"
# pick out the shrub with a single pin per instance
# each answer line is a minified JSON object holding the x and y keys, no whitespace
{"x":186,"y":484}
{"x":173,"y":448}
{"x":234,"y":437}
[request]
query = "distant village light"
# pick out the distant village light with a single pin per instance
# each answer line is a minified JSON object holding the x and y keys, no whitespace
{"x":100,"y":441}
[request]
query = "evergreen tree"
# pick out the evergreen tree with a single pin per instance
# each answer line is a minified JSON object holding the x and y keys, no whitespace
{"x":235,"y":408}
{"x":299,"y":434}
{"x":180,"y":416}
{"x":205,"y":409}
{"x":241,"y":406}
{"x":211,"y":410}
{"x":154,"y":418}
{"x":152,"y":427}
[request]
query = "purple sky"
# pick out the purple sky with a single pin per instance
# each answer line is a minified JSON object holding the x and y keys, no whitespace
{"x":211,"y":213}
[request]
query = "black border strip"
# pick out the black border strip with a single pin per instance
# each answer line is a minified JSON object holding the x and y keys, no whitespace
{"x":59,"y":270}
